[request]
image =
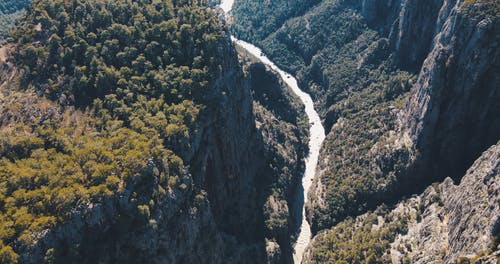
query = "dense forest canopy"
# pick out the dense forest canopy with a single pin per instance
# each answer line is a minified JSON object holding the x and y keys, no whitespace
{"x":107,"y":99}
{"x":255,"y":19}
{"x":10,"y":11}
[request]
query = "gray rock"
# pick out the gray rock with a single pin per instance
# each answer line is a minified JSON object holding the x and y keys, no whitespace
{"x":461,"y":221}
{"x":453,"y":112}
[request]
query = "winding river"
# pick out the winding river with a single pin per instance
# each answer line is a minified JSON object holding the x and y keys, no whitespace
{"x":316,"y":134}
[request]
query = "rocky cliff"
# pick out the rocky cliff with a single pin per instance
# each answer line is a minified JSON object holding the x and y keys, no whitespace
{"x":213,"y":214}
{"x":447,"y":223}
{"x":454,"y":99}
{"x":410,"y":26}
{"x":452,"y":115}
{"x":451,"y":47}
{"x":449,"y":119}
{"x":282,"y":122}
{"x":457,"y":221}
{"x":408,"y":93}
{"x":207,"y":183}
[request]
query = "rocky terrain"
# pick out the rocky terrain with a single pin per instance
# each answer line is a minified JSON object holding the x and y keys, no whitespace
{"x":281,"y":119}
{"x":409,"y":94}
{"x":204,"y":179}
{"x":136,"y":132}
{"x":452,"y":115}
{"x":447,"y":223}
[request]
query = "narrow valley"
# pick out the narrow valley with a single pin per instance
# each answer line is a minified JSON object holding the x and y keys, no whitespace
{"x":250,"y":131}
{"x":316,"y":134}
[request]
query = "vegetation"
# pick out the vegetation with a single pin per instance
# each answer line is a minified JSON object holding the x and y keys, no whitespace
{"x":358,"y":87}
{"x":282,"y":121}
{"x":107,"y":101}
{"x":255,"y":20}
{"x":366,"y":239}
{"x":10,"y":12}
{"x":63,"y":172}
{"x":354,"y":80}
{"x":82,"y":58}
{"x":481,"y":8}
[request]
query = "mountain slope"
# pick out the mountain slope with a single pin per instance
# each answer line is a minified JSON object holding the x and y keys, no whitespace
{"x":128,"y":135}
{"x":447,"y":223}
{"x":407,"y":89}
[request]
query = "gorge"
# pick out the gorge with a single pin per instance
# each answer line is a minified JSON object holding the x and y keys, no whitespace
{"x":316,"y":137}
{"x":384,"y":78}
{"x":249,"y":131}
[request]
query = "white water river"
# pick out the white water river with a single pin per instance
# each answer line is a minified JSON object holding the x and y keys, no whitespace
{"x":316,"y":133}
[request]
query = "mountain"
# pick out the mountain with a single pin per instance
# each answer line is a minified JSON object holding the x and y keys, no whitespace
{"x":138,"y":132}
{"x":408,"y":92}
{"x":446,"y":223}
{"x":129,"y":134}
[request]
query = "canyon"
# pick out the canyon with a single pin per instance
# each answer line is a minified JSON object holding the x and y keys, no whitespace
{"x":323,"y":131}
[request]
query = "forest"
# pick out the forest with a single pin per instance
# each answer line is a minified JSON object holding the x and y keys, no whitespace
{"x":359,"y":84}
{"x":107,"y":100}
{"x":10,"y":12}
{"x":356,"y":82}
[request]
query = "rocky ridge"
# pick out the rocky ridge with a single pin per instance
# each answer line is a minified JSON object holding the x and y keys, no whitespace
{"x":452,"y":111}
{"x":447,"y":223}
{"x":227,"y":205}
{"x":408,"y":91}
{"x":457,"y":221}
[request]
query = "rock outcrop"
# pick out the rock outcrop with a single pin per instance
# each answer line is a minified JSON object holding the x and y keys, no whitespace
{"x":457,"y":221}
{"x":410,"y":25}
{"x":447,"y":223}
{"x":213,"y":214}
{"x":229,"y":205}
{"x":452,"y":115}
{"x":282,"y":122}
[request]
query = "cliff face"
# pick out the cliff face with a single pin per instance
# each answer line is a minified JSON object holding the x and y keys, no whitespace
{"x":226,"y":161}
{"x":282,"y":122}
{"x":222,"y":196}
{"x":450,"y":117}
{"x":229,"y":204}
{"x":409,"y":24}
{"x":407,"y":91}
{"x":447,"y":223}
{"x":450,"y":114}
{"x":213,"y":214}
{"x":454,"y":47}
{"x":457,"y":221}
{"x":453,"y":112}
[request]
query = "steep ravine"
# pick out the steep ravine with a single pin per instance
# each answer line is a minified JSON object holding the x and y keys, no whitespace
{"x":208,"y":211}
{"x":317,"y":135}
{"x":411,"y":88}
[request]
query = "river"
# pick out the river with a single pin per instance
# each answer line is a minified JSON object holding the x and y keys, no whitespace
{"x":316,"y":137}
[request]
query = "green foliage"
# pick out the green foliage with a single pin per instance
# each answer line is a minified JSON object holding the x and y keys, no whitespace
{"x":283,"y":124}
{"x":352,"y":77}
{"x":173,"y":52}
{"x":364,"y":240}
{"x":108,"y":106}
{"x":256,"y":19}
{"x":38,"y":191}
{"x":7,"y":254}
{"x":481,"y":9}
{"x":10,"y":11}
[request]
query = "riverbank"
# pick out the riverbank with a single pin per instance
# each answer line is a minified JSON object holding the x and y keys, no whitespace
{"x":317,"y":135}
